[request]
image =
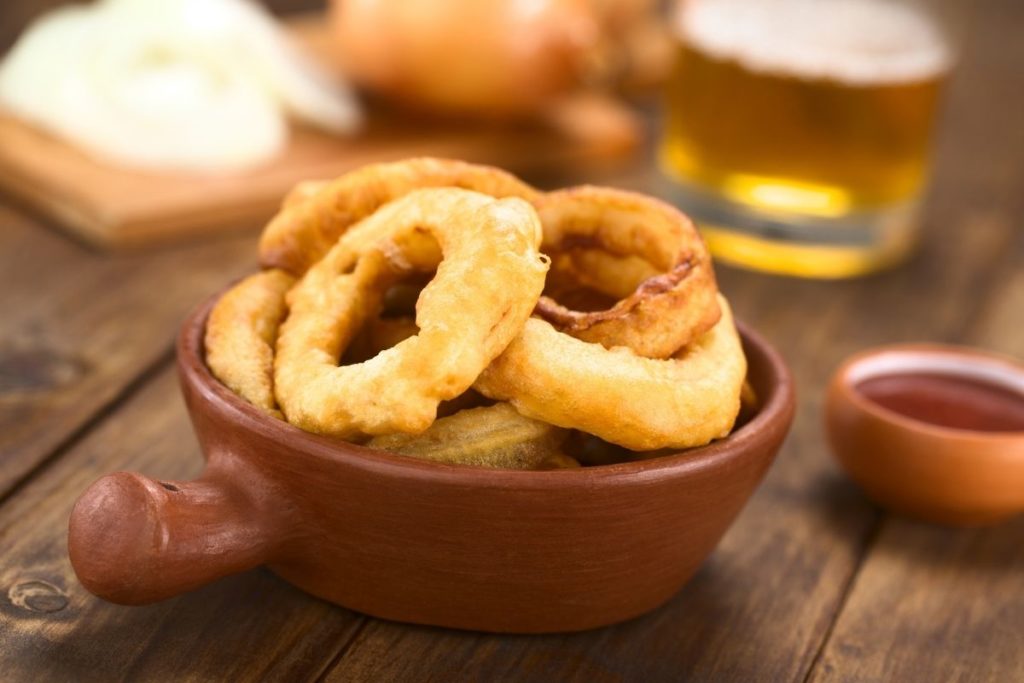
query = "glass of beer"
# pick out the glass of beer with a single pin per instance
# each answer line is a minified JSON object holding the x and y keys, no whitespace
{"x":798,"y":131}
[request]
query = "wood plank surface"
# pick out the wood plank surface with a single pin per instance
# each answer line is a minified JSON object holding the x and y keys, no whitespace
{"x":932,"y":603}
{"x":250,"y":627}
{"x":78,"y":327}
{"x":812,"y":582}
{"x":784,"y":543}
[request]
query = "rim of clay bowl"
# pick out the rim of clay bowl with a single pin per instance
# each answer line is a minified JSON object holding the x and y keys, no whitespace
{"x":776,"y":412}
{"x":950,"y":360}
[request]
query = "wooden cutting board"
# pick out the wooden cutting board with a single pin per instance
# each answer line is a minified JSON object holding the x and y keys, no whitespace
{"x":119,"y":207}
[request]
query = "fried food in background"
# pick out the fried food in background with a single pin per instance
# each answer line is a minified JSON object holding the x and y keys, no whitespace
{"x":477,"y":244}
{"x":241,"y":334}
{"x":499,"y":59}
{"x":489,"y":58}
{"x":637,"y":48}
{"x":494,"y":436}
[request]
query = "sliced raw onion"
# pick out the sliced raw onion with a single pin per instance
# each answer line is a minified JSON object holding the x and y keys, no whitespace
{"x":190,"y":85}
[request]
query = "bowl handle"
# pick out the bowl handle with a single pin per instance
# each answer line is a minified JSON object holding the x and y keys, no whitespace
{"x":133,"y":540}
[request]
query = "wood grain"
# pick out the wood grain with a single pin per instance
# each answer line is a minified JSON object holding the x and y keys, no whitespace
{"x":932,"y":603}
{"x":76,"y":328}
{"x":251,"y":627}
{"x":811,"y":582}
{"x":942,"y":604}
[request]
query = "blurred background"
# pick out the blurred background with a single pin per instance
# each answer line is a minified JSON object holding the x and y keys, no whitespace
{"x":160,"y":120}
{"x":798,"y":133}
{"x":17,"y":15}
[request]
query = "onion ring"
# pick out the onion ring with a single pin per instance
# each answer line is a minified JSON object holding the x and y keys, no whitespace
{"x":489,"y":276}
{"x":494,"y":436}
{"x":240,"y":336}
{"x":597,"y":230}
{"x":640,"y":403}
{"x":313,"y":218}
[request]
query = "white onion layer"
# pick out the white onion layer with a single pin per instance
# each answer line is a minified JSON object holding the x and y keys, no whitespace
{"x":194,"y":85}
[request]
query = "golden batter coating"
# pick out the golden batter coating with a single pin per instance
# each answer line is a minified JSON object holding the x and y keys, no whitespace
{"x":316,"y":214}
{"x":241,"y":333}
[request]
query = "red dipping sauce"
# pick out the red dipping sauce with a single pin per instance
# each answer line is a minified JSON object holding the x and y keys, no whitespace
{"x":952,"y":401}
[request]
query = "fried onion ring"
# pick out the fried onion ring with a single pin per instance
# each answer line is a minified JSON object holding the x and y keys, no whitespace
{"x":593,"y":232}
{"x":240,"y":336}
{"x":619,"y":396}
{"x":495,"y":436}
{"x":316,"y":214}
{"x":489,"y":274}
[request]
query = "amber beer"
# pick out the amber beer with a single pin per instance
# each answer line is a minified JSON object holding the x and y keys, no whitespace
{"x":808,"y":112}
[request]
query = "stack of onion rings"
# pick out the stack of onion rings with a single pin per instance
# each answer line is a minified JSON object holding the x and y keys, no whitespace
{"x":658,"y":364}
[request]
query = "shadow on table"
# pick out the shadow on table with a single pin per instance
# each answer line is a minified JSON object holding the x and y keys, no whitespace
{"x":921,"y":545}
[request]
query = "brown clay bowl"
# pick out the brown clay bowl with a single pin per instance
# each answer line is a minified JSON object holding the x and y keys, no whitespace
{"x":950,"y":475}
{"x":414,"y":541}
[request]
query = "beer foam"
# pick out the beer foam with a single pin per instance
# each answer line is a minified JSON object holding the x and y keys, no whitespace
{"x":859,"y":42}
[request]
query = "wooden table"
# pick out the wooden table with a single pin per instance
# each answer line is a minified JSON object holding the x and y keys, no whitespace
{"x":811,"y":583}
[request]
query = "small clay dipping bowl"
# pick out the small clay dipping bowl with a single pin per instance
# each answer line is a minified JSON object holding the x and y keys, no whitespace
{"x":415,"y":541}
{"x":934,"y":432}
